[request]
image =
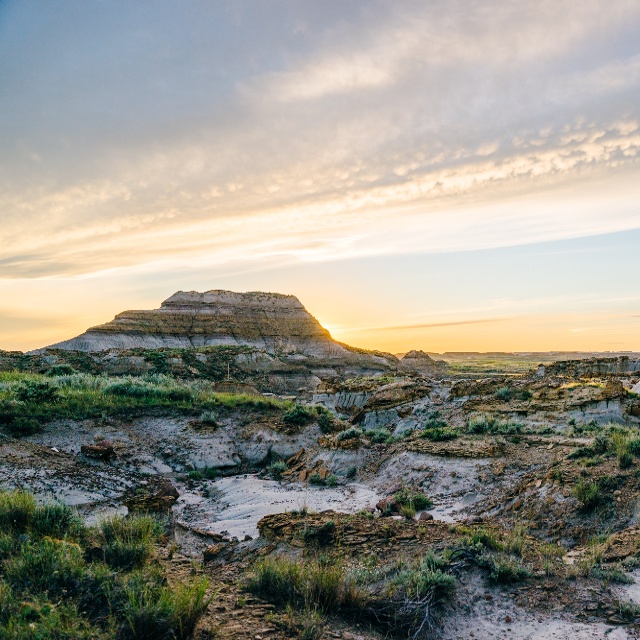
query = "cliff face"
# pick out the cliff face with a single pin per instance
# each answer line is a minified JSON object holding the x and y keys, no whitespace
{"x":272,"y":322}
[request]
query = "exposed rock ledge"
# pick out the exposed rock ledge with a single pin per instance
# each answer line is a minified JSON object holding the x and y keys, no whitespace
{"x":273,"y":322}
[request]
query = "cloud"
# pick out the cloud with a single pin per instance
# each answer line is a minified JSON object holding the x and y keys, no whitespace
{"x":428,"y":325}
{"x":450,"y":119}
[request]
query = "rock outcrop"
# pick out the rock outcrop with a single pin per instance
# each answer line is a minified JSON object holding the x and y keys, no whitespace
{"x":273,"y":322}
{"x":423,"y":363}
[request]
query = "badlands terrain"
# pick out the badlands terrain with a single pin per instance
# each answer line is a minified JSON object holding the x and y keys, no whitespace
{"x":222,"y":468}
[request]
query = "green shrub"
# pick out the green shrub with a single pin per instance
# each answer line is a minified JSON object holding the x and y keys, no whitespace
{"x":625,"y":460}
{"x":151,"y":611}
{"x":348,"y":434}
{"x":505,"y":570}
{"x":16,"y":511}
{"x":479,"y":424}
{"x":352,"y":472}
{"x":482,"y":537}
{"x":128,"y":542}
{"x":379,"y":436}
{"x":310,"y":583}
{"x":612,"y":574}
{"x":36,"y":392}
{"x":634,"y":447}
{"x":428,"y":576}
{"x":57,"y":521}
{"x":505,"y":394}
{"x":332,"y":480}
{"x":51,"y":566}
{"x":326,"y":421}
{"x":195,"y":474}
{"x":131,"y":389}
{"x":629,"y":611}
{"x":209,"y":418}
{"x":434,"y":421}
{"x":415,"y":499}
{"x":439,"y":434}
{"x":587,"y":494}
{"x":277,"y":468}
{"x":60,"y":370}
{"x":298,"y":416}
{"x":316,"y":479}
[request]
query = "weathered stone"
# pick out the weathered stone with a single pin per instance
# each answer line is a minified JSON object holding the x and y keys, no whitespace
{"x":102,"y":450}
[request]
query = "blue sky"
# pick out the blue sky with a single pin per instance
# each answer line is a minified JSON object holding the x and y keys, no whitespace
{"x":470,"y":165}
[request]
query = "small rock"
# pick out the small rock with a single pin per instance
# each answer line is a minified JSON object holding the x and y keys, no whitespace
{"x":388,"y":504}
{"x":248,"y":538}
{"x":102,"y":450}
{"x":508,"y":619}
{"x":424,"y":517}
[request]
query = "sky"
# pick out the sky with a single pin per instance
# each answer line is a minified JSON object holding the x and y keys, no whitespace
{"x":445,"y":175}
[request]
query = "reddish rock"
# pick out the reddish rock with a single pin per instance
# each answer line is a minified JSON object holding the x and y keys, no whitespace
{"x":424,"y":517}
{"x":388,"y":504}
{"x":102,"y":450}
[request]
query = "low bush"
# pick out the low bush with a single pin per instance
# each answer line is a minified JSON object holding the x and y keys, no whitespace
{"x":326,"y":421}
{"x":50,"y":591}
{"x":348,"y":434}
{"x":427,"y":577}
{"x":439,"y":434}
{"x":58,"y":370}
{"x":277,"y":468}
{"x":52,"y":566}
{"x":587,"y":493}
{"x":151,"y":610}
{"x":298,"y":416}
{"x":415,"y":499}
{"x":310,"y":583}
{"x":128,"y":542}
{"x":36,"y":391}
{"x":506,"y":570}
{"x":316,"y":479}
{"x":209,"y":418}
{"x":505,"y":394}
{"x":379,"y":436}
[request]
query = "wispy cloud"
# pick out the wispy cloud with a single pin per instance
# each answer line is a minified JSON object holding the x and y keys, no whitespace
{"x":427,"y":325}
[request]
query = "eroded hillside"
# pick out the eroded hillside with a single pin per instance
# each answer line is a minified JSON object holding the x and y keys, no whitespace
{"x":400,"y":504}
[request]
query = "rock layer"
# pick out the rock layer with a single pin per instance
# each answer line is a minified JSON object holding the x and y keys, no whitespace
{"x":273,"y":322}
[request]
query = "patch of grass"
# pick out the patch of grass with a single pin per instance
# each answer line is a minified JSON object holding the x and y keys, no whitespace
{"x":415,"y":499}
{"x":277,"y":468}
{"x":151,"y":610}
{"x":316,"y":479}
{"x":379,"y":436}
{"x":348,"y":434}
{"x":587,"y":493}
{"x":209,"y":418}
{"x":20,"y":515}
{"x":50,"y":591}
{"x":326,"y":421}
{"x":612,"y":574}
{"x":438,"y":434}
{"x":427,"y":576}
{"x":52,"y":566}
{"x":629,"y":611}
{"x":128,"y":542}
{"x":505,"y":569}
{"x":308,"y":583}
{"x":298,"y":415}
{"x":484,"y":424}
{"x":27,"y":400}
